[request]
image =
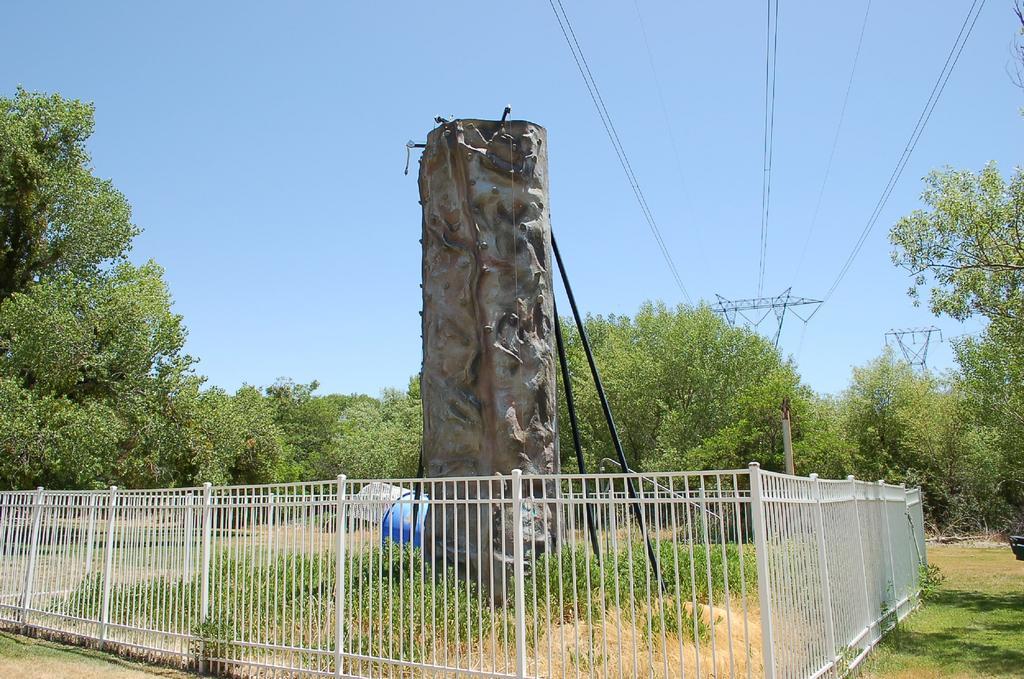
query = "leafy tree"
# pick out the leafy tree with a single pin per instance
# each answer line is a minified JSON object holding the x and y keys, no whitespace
{"x":380,"y":438}
{"x":688,"y":391}
{"x":239,"y":435}
{"x":96,"y":338}
{"x":56,"y":217}
{"x":991,"y":379}
{"x":354,"y":434}
{"x":970,"y":242}
{"x":310,"y":424}
{"x":959,"y":465}
{"x":54,"y":442}
{"x":97,"y":367}
{"x":94,"y":385}
{"x":882,"y":404}
{"x":820,"y":441}
{"x":969,"y":247}
{"x":918,"y":429}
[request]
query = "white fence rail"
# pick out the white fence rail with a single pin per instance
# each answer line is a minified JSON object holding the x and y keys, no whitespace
{"x":742,"y":573}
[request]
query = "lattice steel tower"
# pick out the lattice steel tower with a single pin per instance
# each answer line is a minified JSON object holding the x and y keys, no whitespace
{"x":777,"y":306}
{"x":915,"y":353}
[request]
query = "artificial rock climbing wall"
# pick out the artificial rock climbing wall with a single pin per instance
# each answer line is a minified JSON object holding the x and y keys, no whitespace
{"x":488,"y":381}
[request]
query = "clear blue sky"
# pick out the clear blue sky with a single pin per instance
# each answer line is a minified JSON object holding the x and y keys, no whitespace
{"x":261,"y":145}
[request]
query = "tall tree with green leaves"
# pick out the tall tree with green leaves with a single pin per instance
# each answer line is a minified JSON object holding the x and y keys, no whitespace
{"x":312,"y":425}
{"x":967,"y":245}
{"x":688,"y":391}
{"x":917,"y":428}
{"x":95,"y":387}
{"x":56,"y":216}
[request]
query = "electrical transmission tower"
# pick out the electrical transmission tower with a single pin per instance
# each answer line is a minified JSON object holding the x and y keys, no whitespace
{"x":915,"y":353}
{"x":732,"y":309}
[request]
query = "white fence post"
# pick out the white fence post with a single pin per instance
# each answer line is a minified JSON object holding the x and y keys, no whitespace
{"x":108,"y":564}
{"x":204,"y":582}
{"x":204,"y":605}
{"x":519,"y":568}
{"x":757,"y":518}
{"x":5,"y":522}
{"x":913,"y":577}
{"x":271,"y":521}
{"x":339,"y":577}
{"x":868,"y":620}
{"x":90,"y":534}
{"x":919,"y":529}
{"x":189,"y":535}
{"x":888,"y":545}
{"x":33,"y":550}
{"x":826,"y":584}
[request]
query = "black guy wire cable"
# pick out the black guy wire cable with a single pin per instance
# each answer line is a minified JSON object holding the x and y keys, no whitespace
{"x":570,"y":403}
{"x":606,"y":408}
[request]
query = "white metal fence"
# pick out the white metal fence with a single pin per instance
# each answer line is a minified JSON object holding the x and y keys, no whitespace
{"x":742,"y":573}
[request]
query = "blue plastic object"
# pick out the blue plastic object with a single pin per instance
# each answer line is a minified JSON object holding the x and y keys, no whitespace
{"x":397,"y":523}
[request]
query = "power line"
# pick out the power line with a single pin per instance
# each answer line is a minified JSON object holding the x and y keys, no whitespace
{"x":770,"y":60}
{"x":609,"y":127}
{"x":947,"y":69}
{"x":835,"y":143}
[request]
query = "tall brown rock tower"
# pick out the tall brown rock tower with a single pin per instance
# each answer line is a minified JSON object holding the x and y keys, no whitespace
{"x":488,"y":383}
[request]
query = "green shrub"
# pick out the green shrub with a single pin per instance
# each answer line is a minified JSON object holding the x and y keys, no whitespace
{"x":397,"y":604}
{"x":929,"y":578}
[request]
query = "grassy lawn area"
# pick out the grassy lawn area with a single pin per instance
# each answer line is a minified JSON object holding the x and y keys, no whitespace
{"x":34,"y":659}
{"x":972,"y":628}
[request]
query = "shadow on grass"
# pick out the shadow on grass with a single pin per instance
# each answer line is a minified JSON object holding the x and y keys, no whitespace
{"x":978,"y":602}
{"x":984,"y":645}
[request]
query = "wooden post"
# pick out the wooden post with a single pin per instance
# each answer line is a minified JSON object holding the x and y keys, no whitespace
{"x":787,"y":437}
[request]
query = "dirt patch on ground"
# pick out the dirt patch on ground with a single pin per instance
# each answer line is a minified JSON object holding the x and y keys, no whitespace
{"x":617,"y":647}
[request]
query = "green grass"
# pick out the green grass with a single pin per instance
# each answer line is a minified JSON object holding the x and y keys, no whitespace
{"x":972,"y":626}
{"x":392,"y":610}
{"x":27,"y":658}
